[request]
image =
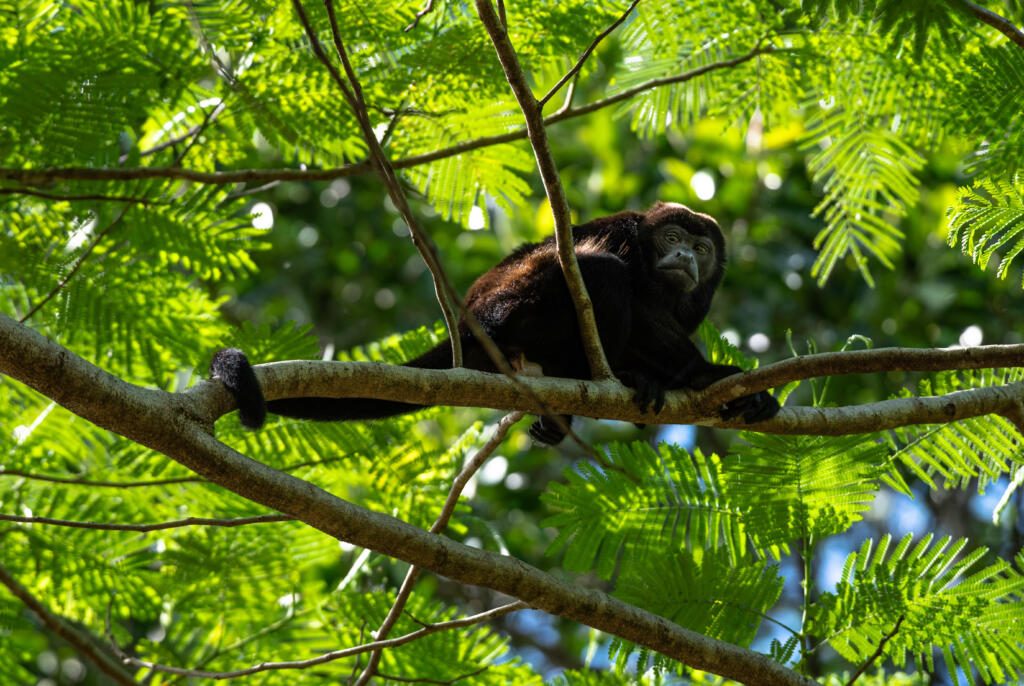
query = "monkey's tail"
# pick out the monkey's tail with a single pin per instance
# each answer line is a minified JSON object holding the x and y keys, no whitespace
{"x":340,"y":409}
{"x":232,"y":367}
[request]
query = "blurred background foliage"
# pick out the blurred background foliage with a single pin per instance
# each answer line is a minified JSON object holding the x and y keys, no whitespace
{"x":837,"y":166}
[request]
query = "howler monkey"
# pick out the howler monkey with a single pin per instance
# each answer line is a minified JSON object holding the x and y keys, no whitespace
{"x":651,"y":276}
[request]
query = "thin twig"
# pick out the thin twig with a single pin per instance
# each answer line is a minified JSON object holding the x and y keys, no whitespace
{"x":419,"y":15}
{"x":586,"y":54}
{"x":878,"y":651}
{"x":82,"y":481}
{"x":61,"y":628}
{"x":158,"y":526}
{"x":439,"y":525}
{"x":101,"y":483}
{"x":80,"y":198}
{"x":41,"y":176}
{"x":446,"y":295}
{"x":334,"y":654}
{"x":76,"y":266}
{"x":193,"y":132}
{"x":596,"y":359}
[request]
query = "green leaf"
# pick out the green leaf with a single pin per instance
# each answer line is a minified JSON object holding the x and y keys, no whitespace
{"x":988,"y":218}
{"x":926,"y":598}
{"x":645,"y":504}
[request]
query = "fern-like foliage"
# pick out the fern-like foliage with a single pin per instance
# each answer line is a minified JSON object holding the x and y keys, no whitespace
{"x":988,"y":218}
{"x":924,"y":597}
{"x":647,"y":501}
{"x":774,"y":490}
{"x":700,"y":590}
{"x":983,"y":448}
{"x":668,"y":39}
{"x":869,"y":181}
{"x":914,"y":20}
{"x":988,"y":110}
{"x":803,"y":487}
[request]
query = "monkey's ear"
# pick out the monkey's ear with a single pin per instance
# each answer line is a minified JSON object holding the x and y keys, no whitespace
{"x":232,"y":368}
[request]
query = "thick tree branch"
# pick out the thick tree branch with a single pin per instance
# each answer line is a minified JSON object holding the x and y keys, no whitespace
{"x":610,"y":400}
{"x":863,"y":362}
{"x":50,"y":174}
{"x":532,"y":112}
{"x":171,"y":425}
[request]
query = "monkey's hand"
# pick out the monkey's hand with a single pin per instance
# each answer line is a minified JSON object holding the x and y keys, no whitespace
{"x":755,"y":407}
{"x":647,"y":391}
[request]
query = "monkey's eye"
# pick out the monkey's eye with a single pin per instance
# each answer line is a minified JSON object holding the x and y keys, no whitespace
{"x":702,"y":248}
{"x":673,"y":236}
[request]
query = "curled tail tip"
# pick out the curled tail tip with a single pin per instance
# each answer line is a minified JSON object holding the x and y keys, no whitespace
{"x":232,"y":368}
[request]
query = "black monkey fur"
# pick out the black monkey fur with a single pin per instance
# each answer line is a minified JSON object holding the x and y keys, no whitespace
{"x":651,"y":276}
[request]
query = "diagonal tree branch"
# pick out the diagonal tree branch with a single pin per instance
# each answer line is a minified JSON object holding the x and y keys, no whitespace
{"x":172,"y":425}
{"x":450,"y":625}
{"x":878,"y":651}
{"x":1000,"y":23}
{"x":439,"y":525}
{"x":531,"y":108}
{"x":586,"y":54}
{"x":82,"y":645}
{"x":447,"y":297}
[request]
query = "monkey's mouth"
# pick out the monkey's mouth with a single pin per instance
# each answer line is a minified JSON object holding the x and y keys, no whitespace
{"x":682,"y":273}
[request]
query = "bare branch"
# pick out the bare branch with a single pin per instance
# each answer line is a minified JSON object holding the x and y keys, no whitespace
{"x":81,"y":198}
{"x":419,"y":15}
{"x":599,"y":368}
{"x":994,"y":20}
{"x":446,"y":295}
{"x":586,"y":54}
{"x":46,"y":175}
{"x":861,"y":362}
{"x":178,"y":426}
{"x":440,"y":524}
{"x":60,"y":627}
{"x":334,"y":654}
{"x":159,"y":526}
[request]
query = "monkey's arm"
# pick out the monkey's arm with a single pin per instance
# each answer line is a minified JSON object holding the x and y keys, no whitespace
{"x":652,"y":375}
{"x":755,"y":407}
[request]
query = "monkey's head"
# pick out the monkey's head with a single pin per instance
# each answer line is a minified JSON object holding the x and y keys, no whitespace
{"x":686,"y":247}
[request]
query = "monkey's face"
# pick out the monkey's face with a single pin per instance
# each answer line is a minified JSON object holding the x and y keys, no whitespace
{"x":685,"y":257}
